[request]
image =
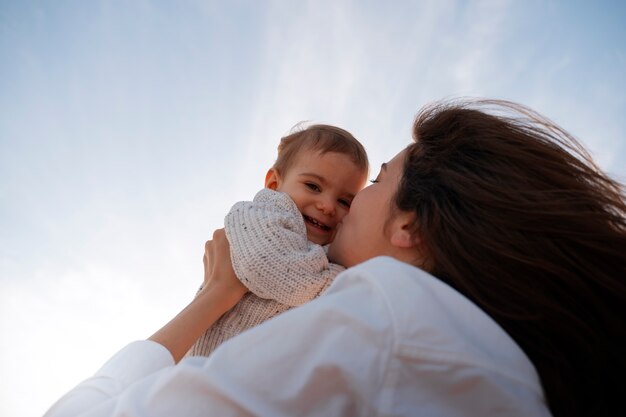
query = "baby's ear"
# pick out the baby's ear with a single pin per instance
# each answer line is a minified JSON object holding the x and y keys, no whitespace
{"x":272,"y":179}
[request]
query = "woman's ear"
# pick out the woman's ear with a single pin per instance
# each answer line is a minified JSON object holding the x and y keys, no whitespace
{"x":272,"y":179}
{"x":402,"y":235}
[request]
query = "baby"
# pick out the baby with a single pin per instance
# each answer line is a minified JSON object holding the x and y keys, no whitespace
{"x":278,"y":240}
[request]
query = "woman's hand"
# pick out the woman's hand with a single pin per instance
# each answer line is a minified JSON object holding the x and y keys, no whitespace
{"x":220,"y":292}
{"x":218,"y":269}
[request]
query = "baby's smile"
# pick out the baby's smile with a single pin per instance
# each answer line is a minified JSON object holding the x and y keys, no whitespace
{"x":316,"y":223}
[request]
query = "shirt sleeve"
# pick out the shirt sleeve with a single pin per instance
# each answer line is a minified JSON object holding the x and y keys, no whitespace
{"x":300,"y":363}
{"x":270,"y":251}
{"x":129,"y":365}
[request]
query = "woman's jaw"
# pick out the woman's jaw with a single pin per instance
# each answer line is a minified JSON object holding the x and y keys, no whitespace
{"x":362,"y":234}
{"x":374,"y":228}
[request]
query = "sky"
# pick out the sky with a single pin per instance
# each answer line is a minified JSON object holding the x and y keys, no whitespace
{"x":129,"y":128}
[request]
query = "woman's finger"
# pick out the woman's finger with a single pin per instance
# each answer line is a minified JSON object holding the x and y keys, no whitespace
{"x":206,"y":261}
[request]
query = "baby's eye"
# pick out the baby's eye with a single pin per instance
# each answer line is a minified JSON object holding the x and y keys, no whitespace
{"x":374,"y":181}
{"x":345,"y":203}
{"x":312,"y":186}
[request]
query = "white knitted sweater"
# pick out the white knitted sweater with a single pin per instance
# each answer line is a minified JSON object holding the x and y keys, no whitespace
{"x":273,"y":258}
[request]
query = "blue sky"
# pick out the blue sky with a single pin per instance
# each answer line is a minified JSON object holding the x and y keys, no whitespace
{"x":127,"y":130}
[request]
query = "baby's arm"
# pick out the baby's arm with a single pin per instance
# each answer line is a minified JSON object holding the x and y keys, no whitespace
{"x":270,"y":251}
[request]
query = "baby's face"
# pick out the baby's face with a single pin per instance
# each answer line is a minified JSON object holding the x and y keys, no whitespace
{"x":322,"y":186}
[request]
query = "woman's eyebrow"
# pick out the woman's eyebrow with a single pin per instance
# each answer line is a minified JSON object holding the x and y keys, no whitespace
{"x":383,"y":166}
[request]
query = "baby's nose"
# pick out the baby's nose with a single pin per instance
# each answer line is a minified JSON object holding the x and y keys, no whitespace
{"x":327,"y":207}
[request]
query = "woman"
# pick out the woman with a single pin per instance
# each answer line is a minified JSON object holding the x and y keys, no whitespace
{"x":521,"y":314}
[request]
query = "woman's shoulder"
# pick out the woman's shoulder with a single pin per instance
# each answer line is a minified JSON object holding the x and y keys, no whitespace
{"x":434,"y":322}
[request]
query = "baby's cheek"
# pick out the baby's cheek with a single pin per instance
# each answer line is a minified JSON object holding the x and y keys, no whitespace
{"x":341,"y":213}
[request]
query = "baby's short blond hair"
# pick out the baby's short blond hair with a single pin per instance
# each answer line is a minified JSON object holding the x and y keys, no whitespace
{"x":323,"y":138}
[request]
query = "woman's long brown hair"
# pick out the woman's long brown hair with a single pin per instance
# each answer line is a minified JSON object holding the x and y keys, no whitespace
{"x":516,"y":216}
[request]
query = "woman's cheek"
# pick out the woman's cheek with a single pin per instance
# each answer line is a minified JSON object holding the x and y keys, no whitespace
{"x":336,"y":252}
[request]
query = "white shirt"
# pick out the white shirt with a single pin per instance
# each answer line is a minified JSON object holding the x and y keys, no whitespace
{"x":386,"y":339}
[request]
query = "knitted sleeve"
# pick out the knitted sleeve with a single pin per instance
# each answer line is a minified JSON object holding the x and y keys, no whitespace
{"x":270,"y":251}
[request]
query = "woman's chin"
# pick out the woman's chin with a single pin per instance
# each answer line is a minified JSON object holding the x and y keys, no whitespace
{"x":334,"y":254}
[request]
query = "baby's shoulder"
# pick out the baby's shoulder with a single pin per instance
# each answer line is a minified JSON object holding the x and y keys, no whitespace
{"x":275,"y":199}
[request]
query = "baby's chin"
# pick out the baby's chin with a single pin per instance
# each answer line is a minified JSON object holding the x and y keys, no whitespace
{"x":318,"y":241}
